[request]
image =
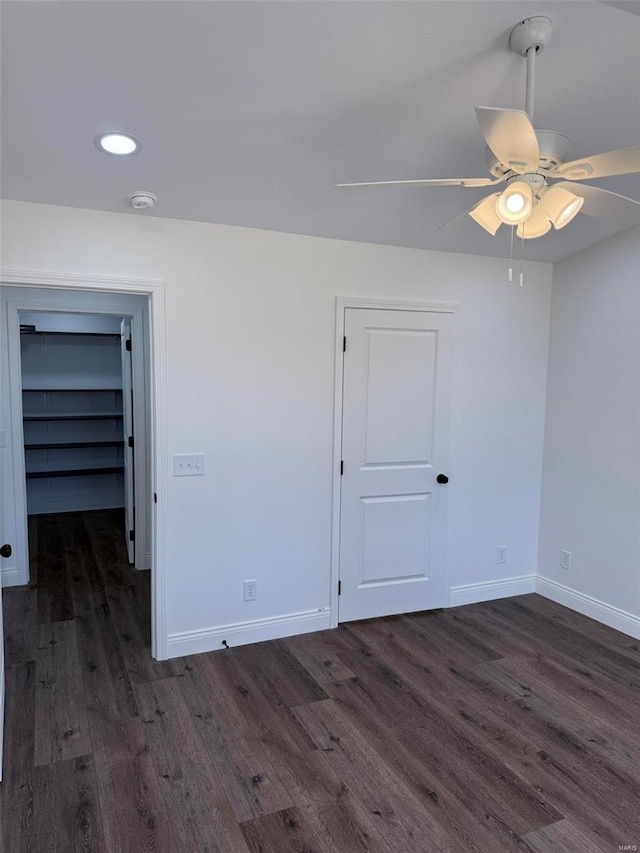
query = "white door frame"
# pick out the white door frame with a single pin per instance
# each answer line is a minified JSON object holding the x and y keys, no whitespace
{"x":342,"y":303}
{"x":153,"y":289}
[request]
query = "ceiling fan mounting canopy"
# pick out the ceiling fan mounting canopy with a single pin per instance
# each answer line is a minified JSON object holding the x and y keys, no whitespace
{"x":533,"y":32}
{"x":525,"y":160}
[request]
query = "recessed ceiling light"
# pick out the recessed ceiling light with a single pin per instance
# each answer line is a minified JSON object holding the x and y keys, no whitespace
{"x":120,"y":144}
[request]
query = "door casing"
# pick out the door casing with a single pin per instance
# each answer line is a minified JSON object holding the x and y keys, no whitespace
{"x":157,"y":473}
{"x":342,"y":303}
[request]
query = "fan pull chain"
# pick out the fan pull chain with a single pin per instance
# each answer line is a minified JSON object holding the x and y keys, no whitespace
{"x":522,"y":258}
{"x":510,"y":270}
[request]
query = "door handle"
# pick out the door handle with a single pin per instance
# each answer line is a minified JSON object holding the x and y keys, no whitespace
{"x":5,"y":551}
{"x":442,"y":479}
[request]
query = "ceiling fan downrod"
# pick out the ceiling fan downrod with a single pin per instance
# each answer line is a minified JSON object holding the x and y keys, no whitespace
{"x":529,"y":38}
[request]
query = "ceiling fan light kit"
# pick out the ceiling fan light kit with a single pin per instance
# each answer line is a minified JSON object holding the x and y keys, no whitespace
{"x":484,"y":213}
{"x":527,"y":159}
{"x":535,"y":225}
{"x":560,"y":206}
{"x":515,"y":204}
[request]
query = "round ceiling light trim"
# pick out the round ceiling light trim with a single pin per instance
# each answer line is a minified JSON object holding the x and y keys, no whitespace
{"x":117,"y":144}
{"x":142,"y":200}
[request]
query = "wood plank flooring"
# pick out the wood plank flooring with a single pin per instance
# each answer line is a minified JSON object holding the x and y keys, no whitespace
{"x":511,"y":725}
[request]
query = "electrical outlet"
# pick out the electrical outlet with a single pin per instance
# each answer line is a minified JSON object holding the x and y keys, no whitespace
{"x":501,"y":554}
{"x":250,"y":590}
{"x":565,"y":560}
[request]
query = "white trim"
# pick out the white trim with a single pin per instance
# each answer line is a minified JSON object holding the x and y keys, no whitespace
{"x":9,"y":576}
{"x":66,"y":281}
{"x":397,"y":304}
{"x":242,"y":633}
{"x":342,"y":303}
{"x":154,"y":290}
{"x":21,"y":545}
{"x":609,"y":615}
{"x":471,"y":593}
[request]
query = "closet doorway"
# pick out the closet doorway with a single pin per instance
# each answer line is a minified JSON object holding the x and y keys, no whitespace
{"x":81,"y":385}
{"x":77,"y":414}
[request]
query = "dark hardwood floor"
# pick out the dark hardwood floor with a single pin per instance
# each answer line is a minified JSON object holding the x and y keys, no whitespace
{"x":510,"y":725}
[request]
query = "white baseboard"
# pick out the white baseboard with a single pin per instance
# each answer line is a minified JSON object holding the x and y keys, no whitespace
{"x":612,"y":616}
{"x":10,"y":576}
{"x":471,"y":593}
{"x":242,"y":633}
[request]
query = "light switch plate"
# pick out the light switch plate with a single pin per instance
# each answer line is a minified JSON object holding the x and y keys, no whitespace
{"x":188,"y":464}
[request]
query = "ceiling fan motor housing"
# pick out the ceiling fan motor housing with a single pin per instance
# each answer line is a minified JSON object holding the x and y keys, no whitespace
{"x":554,"y":148}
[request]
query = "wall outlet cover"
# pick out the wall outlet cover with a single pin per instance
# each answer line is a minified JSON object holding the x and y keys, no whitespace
{"x":250,"y":590}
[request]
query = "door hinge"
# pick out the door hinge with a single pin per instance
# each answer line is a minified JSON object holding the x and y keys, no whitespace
{"x":344,"y":344}
{"x":132,"y":536}
{"x":128,"y":345}
{"x":130,"y":441}
{"x":341,"y":467}
{"x":155,"y":498}
{"x":339,"y":587}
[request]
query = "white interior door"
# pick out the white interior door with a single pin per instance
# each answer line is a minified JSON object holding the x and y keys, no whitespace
{"x":398,"y":373}
{"x":128,"y":434}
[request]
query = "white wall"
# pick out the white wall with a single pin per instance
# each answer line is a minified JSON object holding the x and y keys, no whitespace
{"x":591,"y":475}
{"x":250,"y":349}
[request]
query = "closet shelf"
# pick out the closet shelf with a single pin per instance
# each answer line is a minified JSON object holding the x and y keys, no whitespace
{"x":30,"y":330}
{"x":74,"y":416}
{"x":75,"y":390}
{"x":61,"y":445}
{"x":74,"y":472}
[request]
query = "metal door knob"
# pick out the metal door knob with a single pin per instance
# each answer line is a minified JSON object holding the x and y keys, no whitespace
{"x":442,"y":479}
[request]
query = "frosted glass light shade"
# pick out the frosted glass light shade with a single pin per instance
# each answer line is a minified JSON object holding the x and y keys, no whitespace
{"x":536,"y":225}
{"x":514,"y":204}
{"x":485,"y":214}
{"x":561,"y":205}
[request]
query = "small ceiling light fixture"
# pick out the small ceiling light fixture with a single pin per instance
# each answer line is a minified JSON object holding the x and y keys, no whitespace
{"x":142,"y":200}
{"x":120,"y":144}
{"x":515,"y":204}
{"x":561,"y":205}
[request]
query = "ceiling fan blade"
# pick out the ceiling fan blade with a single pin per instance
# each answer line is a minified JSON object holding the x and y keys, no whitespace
{"x":436,"y":182}
{"x":511,"y":137}
{"x":599,"y":202}
{"x":623,"y":161}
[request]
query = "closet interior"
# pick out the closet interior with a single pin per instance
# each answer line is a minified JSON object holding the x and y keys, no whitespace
{"x":72,"y":399}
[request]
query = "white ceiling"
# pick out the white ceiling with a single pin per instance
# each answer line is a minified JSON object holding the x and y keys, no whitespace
{"x":249,"y":112}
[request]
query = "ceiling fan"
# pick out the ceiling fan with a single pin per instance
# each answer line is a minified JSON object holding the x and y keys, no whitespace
{"x":527,"y":160}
